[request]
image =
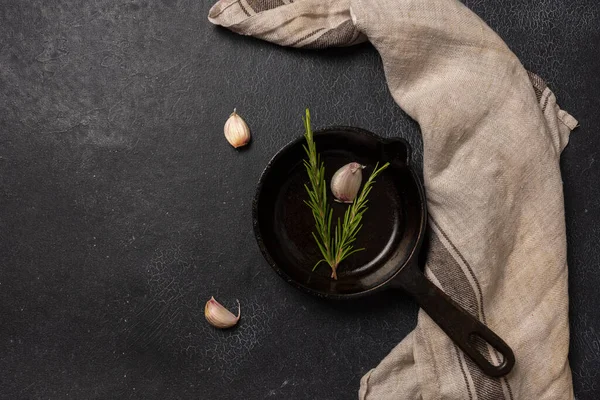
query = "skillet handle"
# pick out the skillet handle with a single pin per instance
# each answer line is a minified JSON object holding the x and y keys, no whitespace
{"x":458,"y":324}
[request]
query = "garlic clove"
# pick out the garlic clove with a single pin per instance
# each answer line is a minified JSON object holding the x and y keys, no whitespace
{"x":218,"y":316}
{"x":346,"y":182}
{"x":236,"y":130}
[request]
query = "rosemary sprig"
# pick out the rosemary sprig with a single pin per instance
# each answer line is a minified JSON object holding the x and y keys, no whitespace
{"x":338,"y":247}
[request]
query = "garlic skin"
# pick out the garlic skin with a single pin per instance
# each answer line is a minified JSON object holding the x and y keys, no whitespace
{"x":346,"y":182}
{"x":218,"y":316}
{"x":236,"y":130}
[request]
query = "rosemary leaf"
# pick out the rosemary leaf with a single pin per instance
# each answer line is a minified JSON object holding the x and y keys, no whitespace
{"x":339,"y":247}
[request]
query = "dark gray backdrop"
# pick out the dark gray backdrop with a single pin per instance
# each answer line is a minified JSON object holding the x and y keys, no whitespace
{"x":123,"y":209}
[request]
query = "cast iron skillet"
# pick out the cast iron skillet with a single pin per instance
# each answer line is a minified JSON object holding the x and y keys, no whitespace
{"x":392,"y":232}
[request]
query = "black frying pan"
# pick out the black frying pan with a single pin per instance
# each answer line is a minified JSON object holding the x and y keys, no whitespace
{"x":393,"y":229}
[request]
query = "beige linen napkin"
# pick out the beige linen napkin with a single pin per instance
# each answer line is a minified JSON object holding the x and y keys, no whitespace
{"x":492,"y":136}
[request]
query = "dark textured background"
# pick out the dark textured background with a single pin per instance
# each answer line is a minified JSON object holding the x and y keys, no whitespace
{"x":123,"y":209}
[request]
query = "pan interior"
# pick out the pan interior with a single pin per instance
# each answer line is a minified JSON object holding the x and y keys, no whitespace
{"x":285,"y":223}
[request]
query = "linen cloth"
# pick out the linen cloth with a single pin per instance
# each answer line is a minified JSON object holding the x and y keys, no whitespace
{"x":492,"y":137}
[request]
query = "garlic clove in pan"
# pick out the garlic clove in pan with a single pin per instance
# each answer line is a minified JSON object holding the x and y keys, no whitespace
{"x":346,"y":182}
{"x":218,"y":316}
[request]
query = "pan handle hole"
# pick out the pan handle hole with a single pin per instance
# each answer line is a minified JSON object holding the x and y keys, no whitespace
{"x":486,"y":349}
